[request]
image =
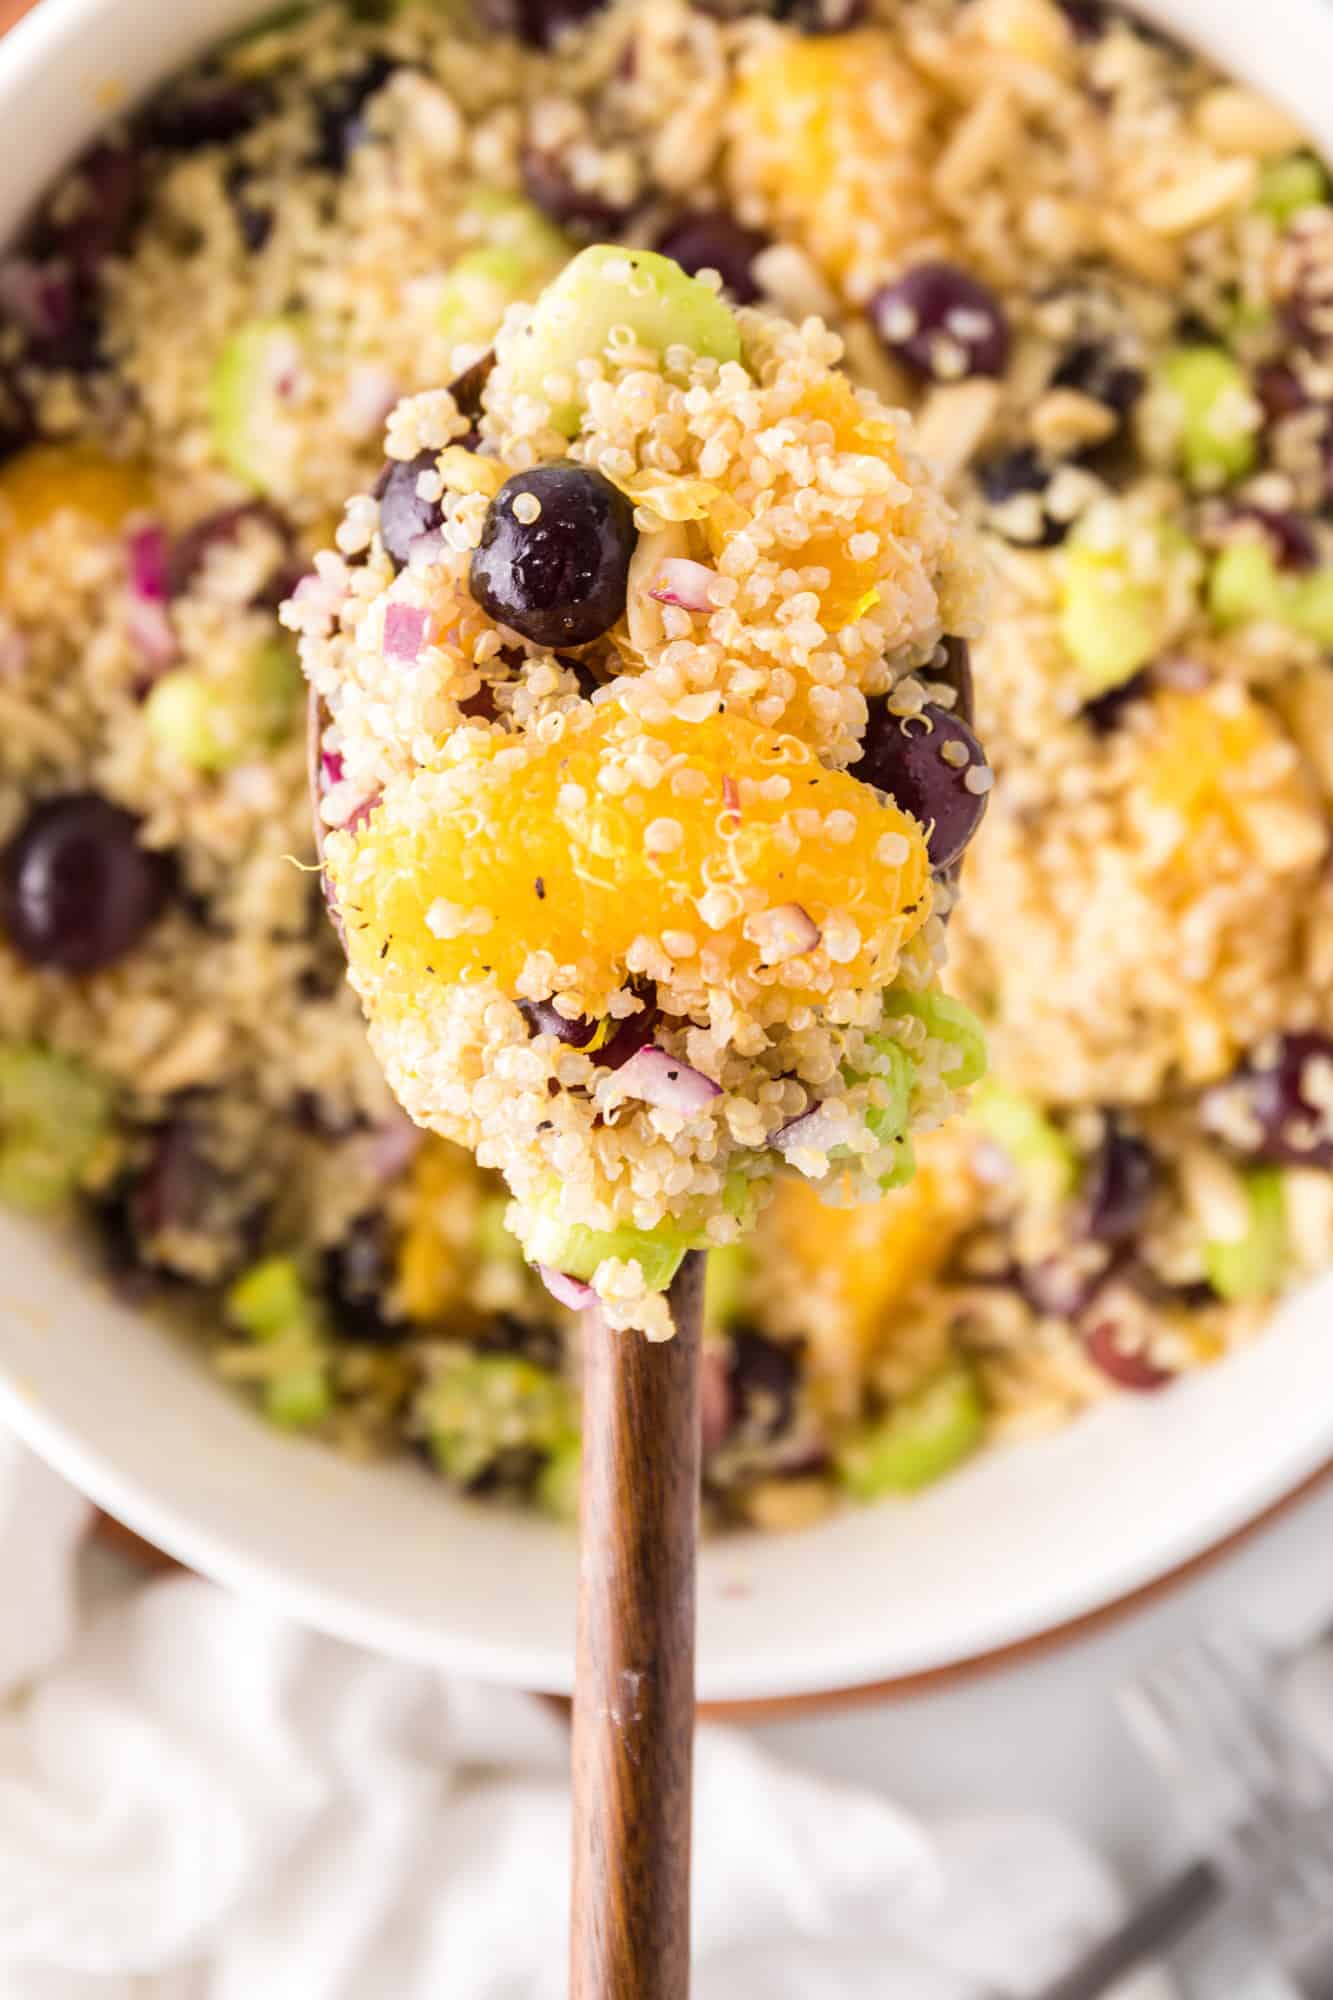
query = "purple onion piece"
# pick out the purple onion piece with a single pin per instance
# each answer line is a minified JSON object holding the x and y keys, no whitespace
{"x":668,"y":1083}
{"x":148,"y":563}
{"x":1127,"y":1369}
{"x":571,"y":1292}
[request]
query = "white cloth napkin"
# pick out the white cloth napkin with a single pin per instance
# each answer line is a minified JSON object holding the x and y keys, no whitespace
{"x":201,"y":1801}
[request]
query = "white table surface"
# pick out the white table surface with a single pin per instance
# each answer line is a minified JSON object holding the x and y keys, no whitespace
{"x":1044,"y":1734}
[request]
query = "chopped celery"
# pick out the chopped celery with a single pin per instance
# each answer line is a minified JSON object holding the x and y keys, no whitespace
{"x":1250,"y":1266}
{"x":1110,"y":622}
{"x":211,"y":723}
{"x":946,"y":1020}
{"x":507,"y":222}
{"x":1288,"y":185}
{"x":724,"y":1284}
{"x":54,"y":1114}
{"x":891,"y":1081}
{"x":1215,"y":414}
{"x":1038,"y":1148}
{"x":496,"y":1243}
{"x":251,"y":380}
{"x":924,"y":1436}
{"x":558,"y":1482}
{"x":300,"y":1396}
{"x":1246,"y":583}
{"x":481,"y":286}
{"x":577,"y":1250}
{"x":477,"y":1406}
{"x":269,"y":1298}
{"x":604,"y":287}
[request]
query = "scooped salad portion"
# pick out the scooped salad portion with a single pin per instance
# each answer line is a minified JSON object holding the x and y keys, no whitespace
{"x":644,"y":754}
{"x":1097,"y":273}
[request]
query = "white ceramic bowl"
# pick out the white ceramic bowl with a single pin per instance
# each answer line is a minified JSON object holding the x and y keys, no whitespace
{"x":1020,"y":1542}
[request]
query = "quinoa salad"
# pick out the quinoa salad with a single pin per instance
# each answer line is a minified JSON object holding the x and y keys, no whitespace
{"x":1100,"y":277}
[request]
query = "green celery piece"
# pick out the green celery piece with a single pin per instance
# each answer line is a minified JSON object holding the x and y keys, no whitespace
{"x":300,"y":1397}
{"x":212,"y":724}
{"x":1250,"y":1267}
{"x":925,"y":1435}
{"x":477,"y":1405}
{"x":481,"y":286}
{"x":1111,"y":623}
{"x":243,"y":400}
{"x":508,"y":222}
{"x":268,"y":1299}
{"x":1038,"y":1148}
{"x":1289,"y":185}
{"x":1207,"y":385}
{"x":946,"y":1020}
{"x":727,"y":1274}
{"x":577,"y":1250}
{"x":54,"y":1114}
{"x":558,"y":1482}
{"x":573,"y":319}
{"x":1245,"y":583}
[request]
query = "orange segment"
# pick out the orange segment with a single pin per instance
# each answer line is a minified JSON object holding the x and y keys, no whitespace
{"x":48,"y":480}
{"x":1219,"y":769}
{"x":619,"y":831}
{"x":832,"y":131}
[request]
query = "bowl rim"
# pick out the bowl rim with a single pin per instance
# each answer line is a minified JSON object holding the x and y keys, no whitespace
{"x":50,"y":32}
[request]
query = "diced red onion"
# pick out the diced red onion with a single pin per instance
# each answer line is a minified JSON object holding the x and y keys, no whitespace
{"x":148,"y":563}
{"x":330,"y":769}
{"x":369,"y":396}
{"x":731,"y":798}
{"x":40,"y":299}
{"x":816,"y":1128}
{"x":359,"y":814}
{"x":425,"y":549}
{"x":666,"y":1082}
{"x":394,"y":1146}
{"x":285,"y":359}
{"x":151,"y":632}
{"x":683,"y":582}
{"x":569,"y":1291}
{"x":784,"y":932}
{"x":405,"y":627}
{"x":13,"y":655}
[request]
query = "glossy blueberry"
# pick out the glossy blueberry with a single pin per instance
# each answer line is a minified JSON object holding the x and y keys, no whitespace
{"x":1118,"y":1186}
{"x":1281,"y":1099}
{"x":357,"y":1275}
{"x":560,"y":578}
{"x":942,"y":322}
{"x":1011,"y":473}
{"x":340,"y":112}
{"x":1105,"y":712}
{"x":77,"y":890}
{"x":764,"y":1378}
{"x":553,"y":189}
{"x":544,"y":1018}
{"x":955,"y":670}
{"x":911,"y":758}
{"x":538,"y":23}
{"x":712,"y":239}
{"x":404,"y":515}
{"x":204,"y":111}
{"x":1095,"y":370}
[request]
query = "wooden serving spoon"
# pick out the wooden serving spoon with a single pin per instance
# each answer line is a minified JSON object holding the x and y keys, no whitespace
{"x":634,"y":1668}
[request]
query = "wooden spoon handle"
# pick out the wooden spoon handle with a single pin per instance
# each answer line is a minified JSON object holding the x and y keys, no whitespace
{"x":634,"y":1686}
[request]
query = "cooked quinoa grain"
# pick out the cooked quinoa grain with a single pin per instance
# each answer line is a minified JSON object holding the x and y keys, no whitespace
{"x":1100,"y":277}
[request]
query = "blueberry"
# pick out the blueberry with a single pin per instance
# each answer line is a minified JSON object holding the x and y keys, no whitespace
{"x":404,"y":515}
{"x":634,"y":1033}
{"x":559,"y":578}
{"x":77,"y":890}
{"x":1118,"y":1186}
{"x":1105,"y":712}
{"x":358,"y":1274}
{"x":466,"y":389}
{"x":537,"y":1341}
{"x":340,"y":112}
{"x":1280,"y":391}
{"x":942,"y":322}
{"x":1095,"y":370}
{"x":764,"y":1379}
{"x":711,"y":239}
{"x":545,"y":1019}
{"x":1281,"y":1095}
{"x":188,"y":553}
{"x":204,"y":111}
{"x":538,"y":23}
{"x":254,"y":219}
{"x":179,"y":1207}
{"x":551,"y":186}
{"x":1089,"y":19}
{"x":1006,"y":476}
{"x":923,"y":762}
